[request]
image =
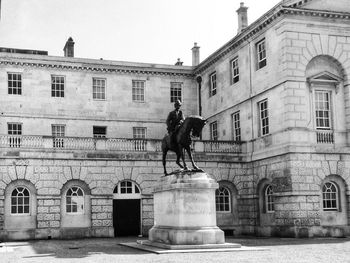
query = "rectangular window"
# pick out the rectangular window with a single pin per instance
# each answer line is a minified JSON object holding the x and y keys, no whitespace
{"x":14,"y":130}
{"x":236,"y":126}
{"x":212,"y":89}
{"x":214,"y":131}
{"x":323,"y":110}
{"x":138,"y":90}
{"x":57,"y":86}
{"x":261,"y":54}
{"x":99,"y":131}
{"x":14,"y":83}
{"x":175,"y":91}
{"x":139,"y":132}
{"x":234,"y":71}
{"x":264,"y":117}
{"x":98,"y":89}
{"x":58,"y":132}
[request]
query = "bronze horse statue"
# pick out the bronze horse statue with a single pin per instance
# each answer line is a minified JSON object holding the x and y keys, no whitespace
{"x":192,"y":125}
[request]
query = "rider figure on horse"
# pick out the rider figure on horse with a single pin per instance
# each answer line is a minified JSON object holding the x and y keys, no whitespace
{"x":174,"y":121}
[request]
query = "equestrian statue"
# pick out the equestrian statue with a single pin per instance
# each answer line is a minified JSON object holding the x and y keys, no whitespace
{"x":179,"y":138}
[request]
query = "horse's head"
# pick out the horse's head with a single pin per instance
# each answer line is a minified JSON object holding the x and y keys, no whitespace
{"x":197,"y":125}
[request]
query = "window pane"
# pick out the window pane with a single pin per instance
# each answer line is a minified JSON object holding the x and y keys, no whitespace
{"x":175,"y":91}
{"x":14,"y":81}
{"x":222,"y":199}
{"x":322,"y":109}
{"x":138,"y":90}
{"x":57,"y":86}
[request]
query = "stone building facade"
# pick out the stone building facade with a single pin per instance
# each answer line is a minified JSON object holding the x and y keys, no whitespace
{"x":81,"y":138}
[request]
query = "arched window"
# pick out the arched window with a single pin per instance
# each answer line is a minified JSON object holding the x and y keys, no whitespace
{"x":127,"y":190}
{"x":223,"y":199}
{"x":330,"y":196}
{"x":75,"y":200}
{"x":20,"y":201}
{"x":269,"y":199}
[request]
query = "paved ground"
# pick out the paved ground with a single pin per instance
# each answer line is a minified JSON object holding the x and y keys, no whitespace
{"x":98,"y":250}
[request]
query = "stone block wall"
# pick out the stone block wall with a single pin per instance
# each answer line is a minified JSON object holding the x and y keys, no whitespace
{"x":296,"y":181}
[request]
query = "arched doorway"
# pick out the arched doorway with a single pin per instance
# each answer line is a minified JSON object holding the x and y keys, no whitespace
{"x":127,"y":209}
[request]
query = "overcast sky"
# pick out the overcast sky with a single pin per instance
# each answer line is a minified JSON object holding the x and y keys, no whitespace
{"x":151,"y":31}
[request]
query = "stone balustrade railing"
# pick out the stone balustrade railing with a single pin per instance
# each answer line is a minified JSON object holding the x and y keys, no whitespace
{"x":109,"y":144}
{"x":325,"y":137}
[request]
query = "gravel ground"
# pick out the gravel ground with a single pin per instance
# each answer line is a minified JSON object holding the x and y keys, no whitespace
{"x":98,"y":250}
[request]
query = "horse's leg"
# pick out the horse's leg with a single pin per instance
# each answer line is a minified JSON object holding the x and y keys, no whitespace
{"x":178,"y":155}
{"x":165,"y":151}
{"x":182,"y":155}
{"x":188,"y":150}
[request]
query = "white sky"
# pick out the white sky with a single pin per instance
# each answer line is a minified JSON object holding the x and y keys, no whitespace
{"x":152,"y":31}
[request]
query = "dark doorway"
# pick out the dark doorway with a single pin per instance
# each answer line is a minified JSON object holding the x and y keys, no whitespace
{"x":126,"y":217}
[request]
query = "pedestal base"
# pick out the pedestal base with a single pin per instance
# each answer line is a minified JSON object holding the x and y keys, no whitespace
{"x":186,"y":236}
{"x":188,"y":247}
{"x":184,"y":211}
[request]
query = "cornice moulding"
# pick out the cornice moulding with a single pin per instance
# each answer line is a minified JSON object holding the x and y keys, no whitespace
{"x":260,"y":24}
{"x":92,"y":65}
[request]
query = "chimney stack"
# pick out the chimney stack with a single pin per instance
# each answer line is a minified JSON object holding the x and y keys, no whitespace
{"x":242,"y":17}
{"x":69,"y":48}
{"x":195,"y":55}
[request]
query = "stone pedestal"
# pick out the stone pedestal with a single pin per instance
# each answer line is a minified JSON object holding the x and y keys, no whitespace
{"x":184,"y":211}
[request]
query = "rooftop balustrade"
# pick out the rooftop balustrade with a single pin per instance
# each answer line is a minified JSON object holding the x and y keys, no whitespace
{"x":108,"y":144}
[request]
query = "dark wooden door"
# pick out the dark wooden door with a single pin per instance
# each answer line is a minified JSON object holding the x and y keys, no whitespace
{"x":126,"y":217}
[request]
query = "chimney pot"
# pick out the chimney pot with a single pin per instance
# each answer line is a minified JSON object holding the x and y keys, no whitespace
{"x":179,"y":62}
{"x":69,"y":48}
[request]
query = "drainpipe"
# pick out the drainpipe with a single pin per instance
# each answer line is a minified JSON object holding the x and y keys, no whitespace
{"x":199,"y":81}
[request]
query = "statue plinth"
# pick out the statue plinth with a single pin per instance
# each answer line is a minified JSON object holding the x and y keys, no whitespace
{"x":184,"y":211}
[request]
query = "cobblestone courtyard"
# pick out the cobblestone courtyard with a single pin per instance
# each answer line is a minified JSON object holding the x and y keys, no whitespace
{"x":108,"y":250}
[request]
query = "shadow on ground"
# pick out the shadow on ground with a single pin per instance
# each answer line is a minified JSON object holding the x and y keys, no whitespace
{"x":79,"y":248}
{"x":110,"y":246}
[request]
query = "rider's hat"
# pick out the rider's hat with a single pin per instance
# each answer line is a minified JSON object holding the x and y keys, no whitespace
{"x":178,"y":102}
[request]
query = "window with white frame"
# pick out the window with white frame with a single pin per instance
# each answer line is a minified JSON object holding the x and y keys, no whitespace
{"x":214,"y":131}
{"x":20,"y":201}
{"x":212,"y":84}
{"x":14,"y":83}
{"x":269,"y":199}
{"x":57,"y":86}
{"x":330,"y":196}
{"x":75,"y":200}
{"x":138,"y":90}
{"x":127,"y":187}
{"x":234,"y":71}
{"x":99,"y":131}
{"x":264,"y":117}
{"x":98,"y":89}
{"x":236,"y":125}
{"x":127,"y":190}
{"x":14,"y":129}
{"x":139,"y":132}
{"x":261,"y":54}
{"x":175,"y":91}
{"x":323,"y":109}
{"x":58,"y":132}
{"x":223,"y":199}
